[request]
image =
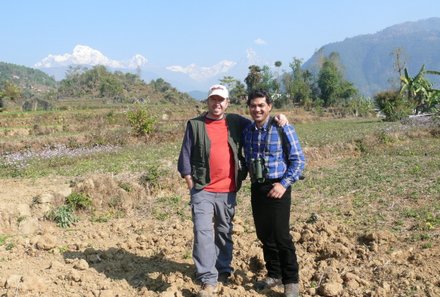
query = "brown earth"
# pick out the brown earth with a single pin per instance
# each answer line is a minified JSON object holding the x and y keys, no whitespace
{"x":135,"y":255}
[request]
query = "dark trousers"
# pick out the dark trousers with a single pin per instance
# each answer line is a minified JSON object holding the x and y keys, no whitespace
{"x":271,"y":218}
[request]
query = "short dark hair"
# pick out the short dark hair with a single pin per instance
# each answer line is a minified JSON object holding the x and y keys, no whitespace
{"x":259,"y":93}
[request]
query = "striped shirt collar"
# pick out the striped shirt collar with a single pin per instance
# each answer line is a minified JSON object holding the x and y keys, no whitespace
{"x":265,"y":125}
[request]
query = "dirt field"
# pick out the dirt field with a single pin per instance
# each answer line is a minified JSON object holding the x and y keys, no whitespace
{"x":140,"y":256}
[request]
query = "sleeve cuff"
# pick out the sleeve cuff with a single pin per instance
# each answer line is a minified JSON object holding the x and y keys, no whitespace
{"x":285,"y":183}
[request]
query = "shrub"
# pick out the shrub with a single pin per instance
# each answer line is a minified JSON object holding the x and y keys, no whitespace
{"x":151,"y":177}
{"x":63,"y":216}
{"x":78,"y":201}
{"x":140,"y":121}
{"x":393,"y":105}
{"x":361,"y":107}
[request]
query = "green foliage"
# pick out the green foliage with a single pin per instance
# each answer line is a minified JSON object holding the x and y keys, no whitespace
{"x":254,"y":78}
{"x":331,"y":83}
{"x":237,"y":90}
{"x":3,"y":238}
{"x":126,"y":186}
{"x":393,"y":105}
{"x":261,"y":78}
{"x":419,"y":90}
{"x":10,"y":91}
{"x":4,"y":241}
{"x":78,"y":201}
{"x":9,"y":246}
{"x":360,"y":106}
{"x":165,"y":207}
{"x":25,"y":77}
{"x":161,"y":85}
{"x":63,"y":216}
{"x":140,"y":120}
{"x":150,"y":178}
{"x":110,"y":87}
{"x":269,"y":81}
{"x":298,"y":84}
{"x":98,"y":82}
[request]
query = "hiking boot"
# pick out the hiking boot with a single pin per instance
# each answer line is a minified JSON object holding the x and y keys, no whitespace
{"x":224,"y":277}
{"x":268,"y":282}
{"x":208,"y":290}
{"x":291,"y":290}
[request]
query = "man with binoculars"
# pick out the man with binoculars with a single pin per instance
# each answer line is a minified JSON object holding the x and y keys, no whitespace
{"x":275,"y":161}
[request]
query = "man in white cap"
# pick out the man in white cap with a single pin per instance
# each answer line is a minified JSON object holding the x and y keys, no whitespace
{"x":210,"y":161}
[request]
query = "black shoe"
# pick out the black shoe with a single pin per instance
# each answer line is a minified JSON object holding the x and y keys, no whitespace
{"x":224,"y":278}
{"x":268,"y":282}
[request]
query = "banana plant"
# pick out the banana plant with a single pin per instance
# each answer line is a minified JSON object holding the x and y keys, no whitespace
{"x":420,"y":91}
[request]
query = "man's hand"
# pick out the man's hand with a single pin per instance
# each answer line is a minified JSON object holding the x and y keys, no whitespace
{"x":189,"y":181}
{"x":277,"y":191}
{"x":281,"y":120}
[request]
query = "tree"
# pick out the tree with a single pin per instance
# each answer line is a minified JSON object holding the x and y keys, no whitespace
{"x":11,"y":91}
{"x":329,"y":79}
{"x":261,"y":78}
{"x":254,"y":77}
{"x":399,"y":63}
{"x":269,"y":82}
{"x":277,"y":65}
{"x":298,"y":84}
{"x":160,"y":85}
{"x":111,"y":88}
{"x":393,"y":105}
{"x":229,"y":82}
{"x":70,"y":86}
{"x":331,"y":83}
{"x":237,"y":90}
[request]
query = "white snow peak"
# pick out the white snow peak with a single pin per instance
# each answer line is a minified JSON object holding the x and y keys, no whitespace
{"x":85,"y":55}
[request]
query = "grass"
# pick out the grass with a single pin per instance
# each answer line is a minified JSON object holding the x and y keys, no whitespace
{"x":3,"y":238}
{"x":166,"y":207}
{"x":391,"y":186}
{"x":63,"y":216}
{"x":340,"y":131}
{"x":364,"y":172}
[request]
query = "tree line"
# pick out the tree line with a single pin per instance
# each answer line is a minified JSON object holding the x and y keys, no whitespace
{"x":300,"y":87}
{"x":328,"y":89}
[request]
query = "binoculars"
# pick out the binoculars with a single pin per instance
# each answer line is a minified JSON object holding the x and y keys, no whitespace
{"x":258,"y":170}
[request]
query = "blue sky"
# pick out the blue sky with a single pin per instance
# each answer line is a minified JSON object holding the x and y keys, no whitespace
{"x":192,"y":41}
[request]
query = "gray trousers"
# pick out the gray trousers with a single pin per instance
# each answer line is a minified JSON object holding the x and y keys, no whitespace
{"x":212,"y":215}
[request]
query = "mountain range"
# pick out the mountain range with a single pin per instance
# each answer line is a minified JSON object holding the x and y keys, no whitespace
{"x":369,"y":61}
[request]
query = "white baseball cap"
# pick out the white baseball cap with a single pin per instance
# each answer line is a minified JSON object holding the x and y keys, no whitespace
{"x":218,"y":90}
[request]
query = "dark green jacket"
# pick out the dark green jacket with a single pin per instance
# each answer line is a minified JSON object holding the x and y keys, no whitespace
{"x":201,"y":146}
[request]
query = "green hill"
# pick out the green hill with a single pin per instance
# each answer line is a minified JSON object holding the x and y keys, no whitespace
{"x":30,"y":80}
{"x":369,"y":62}
{"x":97,"y":82}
